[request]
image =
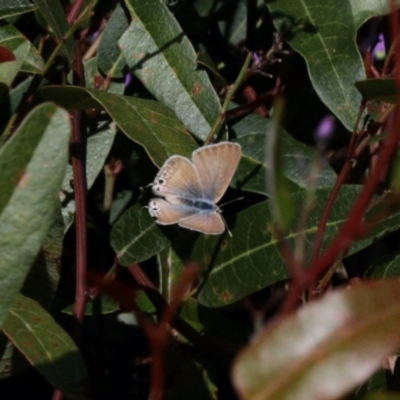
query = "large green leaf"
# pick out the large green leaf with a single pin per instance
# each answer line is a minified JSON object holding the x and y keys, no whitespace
{"x":328,"y":47}
{"x":8,"y":8}
{"x":325,"y":349}
{"x":54,"y":15}
{"x":46,"y":346}
{"x":251,"y":259}
{"x":146,"y":122}
{"x":163,"y":58}
{"x":34,"y":160}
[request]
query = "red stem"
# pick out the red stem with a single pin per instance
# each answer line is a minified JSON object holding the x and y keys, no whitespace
{"x":78,"y":150}
{"x":354,"y":226}
{"x":75,"y":11}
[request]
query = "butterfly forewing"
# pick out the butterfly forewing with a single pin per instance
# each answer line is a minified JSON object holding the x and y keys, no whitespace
{"x":177,"y":178}
{"x":216,"y":165}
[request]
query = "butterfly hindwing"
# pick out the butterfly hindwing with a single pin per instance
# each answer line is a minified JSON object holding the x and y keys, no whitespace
{"x":167,"y":213}
{"x":216,"y":165}
{"x":188,"y":217}
{"x":210,"y":223}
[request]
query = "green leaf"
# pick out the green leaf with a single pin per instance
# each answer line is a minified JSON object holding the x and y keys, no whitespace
{"x":146,"y":122}
{"x":301,"y":166}
{"x":35,"y":159}
{"x":251,"y":260}
{"x":136,"y":236}
{"x":10,"y":102}
{"x":12,"y":361}
{"x":10,"y":69}
{"x":378,"y":89}
{"x":234,"y":28}
{"x":46,"y":346}
{"x":101,"y":305}
{"x":364,"y":10}
{"x":94,"y":78}
{"x":387,"y":268}
{"x":54,"y":15}
{"x":164,"y":60}
{"x":27,"y":56}
{"x":42,"y":280}
{"x":328,"y":46}
{"x":325,"y":349}
{"x":9,"y":8}
{"x":109,"y":56}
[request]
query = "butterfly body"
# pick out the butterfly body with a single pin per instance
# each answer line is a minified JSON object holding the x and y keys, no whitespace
{"x":191,"y":189}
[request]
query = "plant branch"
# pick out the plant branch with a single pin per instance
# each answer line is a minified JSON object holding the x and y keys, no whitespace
{"x":232,"y":90}
{"x":354,"y":227}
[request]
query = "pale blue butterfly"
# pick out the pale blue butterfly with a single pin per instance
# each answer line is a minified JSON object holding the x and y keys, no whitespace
{"x":191,"y":189}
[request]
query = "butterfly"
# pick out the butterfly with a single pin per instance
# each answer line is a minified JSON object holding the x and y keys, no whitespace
{"x":191,"y":188}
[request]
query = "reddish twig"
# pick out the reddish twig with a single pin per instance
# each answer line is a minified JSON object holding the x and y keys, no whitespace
{"x":75,"y":11}
{"x":158,"y":335}
{"x":354,"y":226}
{"x":78,"y":152}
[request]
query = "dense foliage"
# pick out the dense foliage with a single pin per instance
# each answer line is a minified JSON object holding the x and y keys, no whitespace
{"x":296,"y":299}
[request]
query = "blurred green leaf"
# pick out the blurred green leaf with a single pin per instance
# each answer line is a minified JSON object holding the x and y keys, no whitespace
{"x":278,"y":189}
{"x":146,"y":122}
{"x":163,"y":58}
{"x":46,"y":346}
{"x":325,"y":349}
{"x":54,"y":15}
{"x":35,"y":159}
{"x":192,"y":382}
{"x":378,"y":89}
{"x":136,"y":236}
{"x":109,"y":57}
{"x":388,"y":267}
{"x":9,"y":8}
{"x":101,"y":305}
{"x":382,"y":396}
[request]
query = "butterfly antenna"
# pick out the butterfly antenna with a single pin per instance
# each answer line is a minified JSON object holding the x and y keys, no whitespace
{"x":231,"y":201}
